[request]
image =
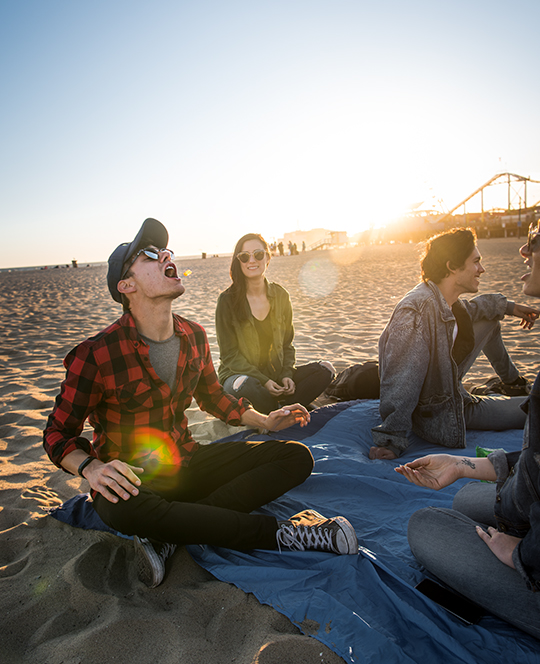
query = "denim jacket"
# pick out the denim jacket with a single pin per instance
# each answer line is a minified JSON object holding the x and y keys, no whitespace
{"x":421,"y":387}
{"x":239,"y":347}
{"x":517,"y":506}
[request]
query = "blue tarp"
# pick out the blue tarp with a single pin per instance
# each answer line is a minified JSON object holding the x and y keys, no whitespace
{"x":365,"y":607}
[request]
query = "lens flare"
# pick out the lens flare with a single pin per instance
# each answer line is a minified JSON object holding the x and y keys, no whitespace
{"x":157,"y":453}
{"x":318,"y":277}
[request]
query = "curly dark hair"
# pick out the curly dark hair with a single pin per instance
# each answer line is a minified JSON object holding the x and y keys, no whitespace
{"x":238,"y":286}
{"x":448,"y":249}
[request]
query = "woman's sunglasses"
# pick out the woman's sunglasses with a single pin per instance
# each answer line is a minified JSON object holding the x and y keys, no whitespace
{"x":258,"y":255}
{"x":149,"y":253}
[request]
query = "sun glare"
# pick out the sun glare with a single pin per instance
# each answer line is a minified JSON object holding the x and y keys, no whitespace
{"x":159,"y":453}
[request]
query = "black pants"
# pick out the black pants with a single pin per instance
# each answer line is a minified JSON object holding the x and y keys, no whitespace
{"x":210,"y":500}
{"x":310,"y":379}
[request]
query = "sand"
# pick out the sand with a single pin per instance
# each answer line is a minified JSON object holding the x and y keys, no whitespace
{"x":72,"y":596}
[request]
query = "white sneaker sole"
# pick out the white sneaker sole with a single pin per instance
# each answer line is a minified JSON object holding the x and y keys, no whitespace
{"x":349,"y":535}
{"x":150,"y":567}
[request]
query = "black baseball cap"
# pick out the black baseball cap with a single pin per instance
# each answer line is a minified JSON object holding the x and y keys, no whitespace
{"x":151,"y":232}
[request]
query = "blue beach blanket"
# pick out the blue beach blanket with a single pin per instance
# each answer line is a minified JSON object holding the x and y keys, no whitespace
{"x":365,"y":607}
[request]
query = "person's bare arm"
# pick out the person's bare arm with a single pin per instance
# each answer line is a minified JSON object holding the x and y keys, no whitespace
{"x":437,"y":471}
{"x":277,"y":419}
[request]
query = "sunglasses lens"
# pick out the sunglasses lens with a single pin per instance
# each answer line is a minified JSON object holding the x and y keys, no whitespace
{"x":244,"y":256}
{"x":150,"y":253}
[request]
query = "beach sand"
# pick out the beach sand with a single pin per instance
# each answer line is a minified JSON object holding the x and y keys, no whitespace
{"x":72,"y":596}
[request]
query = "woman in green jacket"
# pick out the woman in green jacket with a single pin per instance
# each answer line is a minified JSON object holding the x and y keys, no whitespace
{"x":255,"y":336}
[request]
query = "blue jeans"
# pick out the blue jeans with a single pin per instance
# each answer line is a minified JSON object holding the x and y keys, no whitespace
{"x":493,"y":413}
{"x":445,"y":542}
{"x":310,"y":379}
{"x":488,"y":339}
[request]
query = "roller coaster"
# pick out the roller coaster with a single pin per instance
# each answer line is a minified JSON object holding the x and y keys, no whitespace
{"x":517,"y":191}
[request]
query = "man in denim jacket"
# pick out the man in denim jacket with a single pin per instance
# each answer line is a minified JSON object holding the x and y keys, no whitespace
{"x":431,"y":341}
{"x":504,"y":576}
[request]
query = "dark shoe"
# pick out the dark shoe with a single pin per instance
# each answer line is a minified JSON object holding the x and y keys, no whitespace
{"x":309,"y":530}
{"x":517,"y":388}
{"x":150,"y":559}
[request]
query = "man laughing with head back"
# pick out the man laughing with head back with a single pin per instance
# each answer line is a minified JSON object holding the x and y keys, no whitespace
{"x":148,"y":477}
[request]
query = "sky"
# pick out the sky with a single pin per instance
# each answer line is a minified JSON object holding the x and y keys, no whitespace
{"x":225,"y":117}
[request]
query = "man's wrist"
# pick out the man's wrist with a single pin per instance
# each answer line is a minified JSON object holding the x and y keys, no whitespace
{"x":252,"y":417}
{"x":86,"y":462}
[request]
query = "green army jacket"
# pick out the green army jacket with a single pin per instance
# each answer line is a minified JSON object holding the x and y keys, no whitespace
{"x":238,"y":341}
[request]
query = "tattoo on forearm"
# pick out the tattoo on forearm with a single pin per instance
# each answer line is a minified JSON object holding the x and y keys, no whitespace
{"x":468,"y":462}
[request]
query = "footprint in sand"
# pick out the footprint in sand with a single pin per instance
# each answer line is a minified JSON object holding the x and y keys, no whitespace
{"x":102,"y":568}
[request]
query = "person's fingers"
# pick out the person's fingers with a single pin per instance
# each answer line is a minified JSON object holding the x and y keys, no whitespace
{"x":128,"y":471}
{"x":111,"y":477}
{"x":106,"y":494}
{"x":417,"y":463}
{"x":483,"y":535}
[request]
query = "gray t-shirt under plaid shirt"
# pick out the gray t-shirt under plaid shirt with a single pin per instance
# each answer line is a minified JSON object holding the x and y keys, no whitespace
{"x":164,"y":357}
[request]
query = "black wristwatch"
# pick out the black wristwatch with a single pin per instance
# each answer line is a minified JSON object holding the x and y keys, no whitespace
{"x":85,"y":463}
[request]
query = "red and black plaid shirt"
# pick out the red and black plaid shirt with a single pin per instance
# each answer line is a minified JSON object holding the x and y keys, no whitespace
{"x":135,"y":415}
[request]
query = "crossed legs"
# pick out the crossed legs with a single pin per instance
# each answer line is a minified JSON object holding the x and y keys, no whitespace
{"x":445,"y":542}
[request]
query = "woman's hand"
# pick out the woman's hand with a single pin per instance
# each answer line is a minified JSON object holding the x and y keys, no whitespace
{"x":286,"y":417}
{"x":434,"y":471}
{"x":501,"y":544}
{"x":288,"y":386}
{"x":274,"y":389}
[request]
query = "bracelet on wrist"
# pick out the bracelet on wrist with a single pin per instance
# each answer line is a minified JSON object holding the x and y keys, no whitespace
{"x":85,"y":463}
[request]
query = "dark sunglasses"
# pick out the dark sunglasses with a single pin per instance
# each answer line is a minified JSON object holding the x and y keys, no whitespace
{"x":533,"y":239}
{"x":258,"y":255}
{"x":149,"y":253}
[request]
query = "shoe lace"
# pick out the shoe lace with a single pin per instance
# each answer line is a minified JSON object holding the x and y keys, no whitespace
{"x":300,"y":538}
{"x":166,"y":551}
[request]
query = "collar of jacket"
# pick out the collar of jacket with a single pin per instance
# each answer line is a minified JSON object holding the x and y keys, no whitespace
{"x":271,"y":288}
{"x":446,"y":311}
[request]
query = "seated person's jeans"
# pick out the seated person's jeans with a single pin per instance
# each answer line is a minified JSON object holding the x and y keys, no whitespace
{"x":445,"y":541}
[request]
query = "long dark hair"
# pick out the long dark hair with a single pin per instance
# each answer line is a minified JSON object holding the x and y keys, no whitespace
{"x":238,"y":286}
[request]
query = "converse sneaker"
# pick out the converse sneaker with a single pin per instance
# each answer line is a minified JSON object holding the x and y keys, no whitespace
{"x":311,"y":530}
{"x":150,"y":559}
